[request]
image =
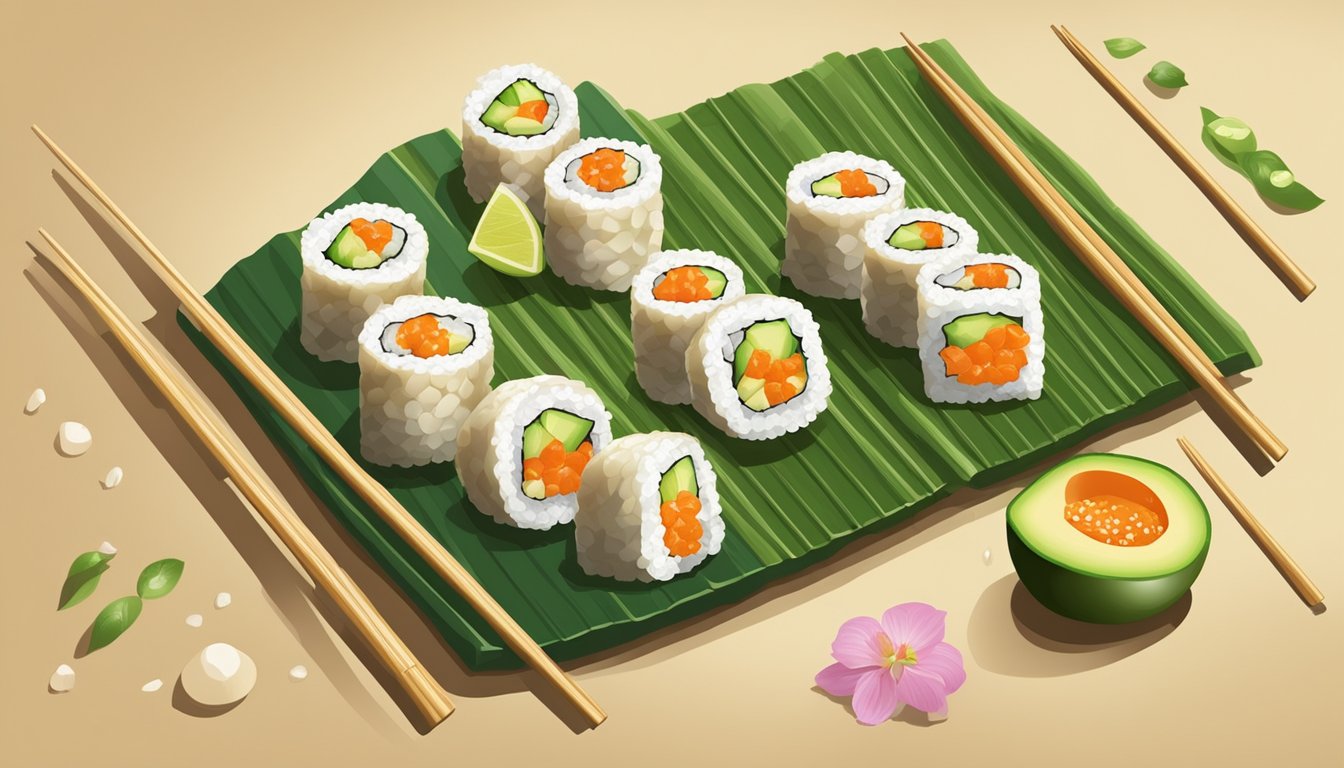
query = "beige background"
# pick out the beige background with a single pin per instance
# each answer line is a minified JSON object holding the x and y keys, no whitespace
{"x":216,"y":127}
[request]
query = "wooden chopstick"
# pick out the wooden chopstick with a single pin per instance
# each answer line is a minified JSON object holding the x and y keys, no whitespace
{"x":1095,"y":253}
{"x":297,"y":415}
{"x":1277,"y":555}
{"x":428,"y":696}
{"x":1297,"y":280}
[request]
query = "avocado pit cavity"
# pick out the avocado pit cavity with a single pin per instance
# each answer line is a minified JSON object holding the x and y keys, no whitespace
{"x":1114,"y":509}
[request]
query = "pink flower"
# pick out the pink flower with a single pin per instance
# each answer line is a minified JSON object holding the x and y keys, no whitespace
{"x":900,"y":660}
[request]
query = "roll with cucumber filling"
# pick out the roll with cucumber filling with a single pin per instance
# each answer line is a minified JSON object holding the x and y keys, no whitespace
{"x":976,"y":276}
{"x":852,"y":182}
{"x":768,"y":367}
{"x":521,"y":109}
{"x":364,"y":244}
{"x":690,"y":283}
{"x":556,"y":448}
{"x":602,"y":170}
{"x":923,"y":235}
{"x":428,"y":335}
{"x":679,"y":495}
{"x":985,"y":348}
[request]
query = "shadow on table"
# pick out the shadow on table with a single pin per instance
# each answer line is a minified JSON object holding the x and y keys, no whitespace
{"x":1010,"y":633}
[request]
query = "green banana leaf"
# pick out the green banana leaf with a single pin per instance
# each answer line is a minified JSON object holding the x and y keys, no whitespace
{"x":877,"y":456}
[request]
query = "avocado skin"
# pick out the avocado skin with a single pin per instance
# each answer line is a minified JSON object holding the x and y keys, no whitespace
{"x":1099,"y":599}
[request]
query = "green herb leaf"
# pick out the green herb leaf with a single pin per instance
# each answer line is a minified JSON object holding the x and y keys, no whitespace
{"x":1167,"y":75}
{"x":82,"y":578}
{"x":159,"y":578}
{"x":1228,"y":138}
{"x":1276,"y":183}
{"x":113,"y":620}
{"x":1124,"y":47}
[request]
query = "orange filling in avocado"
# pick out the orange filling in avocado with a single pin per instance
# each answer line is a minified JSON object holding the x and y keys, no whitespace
{"x":1114,"y":509}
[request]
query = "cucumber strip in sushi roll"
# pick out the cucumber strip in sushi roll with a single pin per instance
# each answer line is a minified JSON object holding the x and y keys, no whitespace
{"x":522,"y":452}
{"x":648,"y":509}
{"x":356,"y":259}
{"x":981,"y":333}
{"x":757,"y":368}
{"x":669,"y":300}
{"x":897,"y":244}
{"x":424,"y":364}
{"x":604,"y":212}
{"x":514,"y":124}
{"x":829,"y":199}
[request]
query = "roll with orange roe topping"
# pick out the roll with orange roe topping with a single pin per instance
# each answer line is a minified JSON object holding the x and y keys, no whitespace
{"x":648,"y":509}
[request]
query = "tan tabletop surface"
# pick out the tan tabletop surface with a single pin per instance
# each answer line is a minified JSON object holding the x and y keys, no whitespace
{"x":215,"y":127}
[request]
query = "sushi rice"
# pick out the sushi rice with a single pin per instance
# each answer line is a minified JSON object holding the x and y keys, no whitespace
{"x":619,"y":532}
{"x":600,"y":239}
{"x":888,"y":298}
{"x":491,"y":158}
{"x":336,"y":300}
{"x":410,"y":407}
{"x":662,"y":330}
{"x":711,"y":371}
{"x":490,"y":448}
{"x":940,"y":304}
{"x":823,"y":242}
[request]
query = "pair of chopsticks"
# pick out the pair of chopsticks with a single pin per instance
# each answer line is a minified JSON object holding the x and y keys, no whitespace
{"x":428,"y":697}
{"x":297,"y":415}
{"x":1095,"y":253}
{"x":1291,"y":571}
{"x":1298,"y":282}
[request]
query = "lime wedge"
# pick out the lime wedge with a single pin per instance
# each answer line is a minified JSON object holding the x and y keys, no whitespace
{"x":508,"y":238}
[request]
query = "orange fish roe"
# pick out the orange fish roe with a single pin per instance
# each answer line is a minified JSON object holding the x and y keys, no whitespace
{"x":682,"y":538}
{"x":778,"y":388}
{"x":375,"y":234}
{"x":684,"y":284}
{"x":855,"y":183}
{"x":988,"y":275}
{"x":603,"y":170}
{"x":561,"y":471}
{"x":423,"y":336}
{"x":534,"y":110}
{"x":932,"y":233}
{"x":998,"y":358}
{"x":1115,"y":520}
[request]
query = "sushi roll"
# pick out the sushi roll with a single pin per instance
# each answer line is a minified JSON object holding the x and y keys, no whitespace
{"x":648,"y":509}
{"x":356,"y":259}
{"x":424,"y":364}
{"x":522,"y":451}
{"x":896,"y":245}
{"x":757,"y":368}
{"x":981,"y":334}
{"x":670,"y":298}
{"x":828,"y":199}
{"x":604,"y":212}
{"x":513,"y":125}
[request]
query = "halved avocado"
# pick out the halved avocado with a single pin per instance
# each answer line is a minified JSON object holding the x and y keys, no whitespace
{"x":1084,"y":578}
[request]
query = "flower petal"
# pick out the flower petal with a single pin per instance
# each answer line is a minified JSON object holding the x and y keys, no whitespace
{"x":875,"y":698}
{"x":839,"y":680}
{"x":922,"y":690}
{"x":856,"y":644}
{"x":918,"y":625}
{"x":944,"y":661}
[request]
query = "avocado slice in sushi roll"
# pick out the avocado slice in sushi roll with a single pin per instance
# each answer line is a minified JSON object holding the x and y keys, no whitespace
{"x":689,"y":284}
{"x":985,"y":348}
{"x":679,"y":494}
{"x":768,"y":368}
{"x":364,"y":244}
{"x":521,"y":109}
{"x":852,"y":182}
{"x":556,"y":448}
{"x":428,"y":335}
{"x":921,"y":235}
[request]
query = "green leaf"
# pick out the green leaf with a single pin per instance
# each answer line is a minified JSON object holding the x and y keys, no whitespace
{"x":159,"y":578}
{"x":113,"y":620}
{"x":1124,"y":47}
{"x":1167,"y":75}
{"x":1228,"y":138}
{"x":1276,"y":183}
{"x":82,"y":577}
